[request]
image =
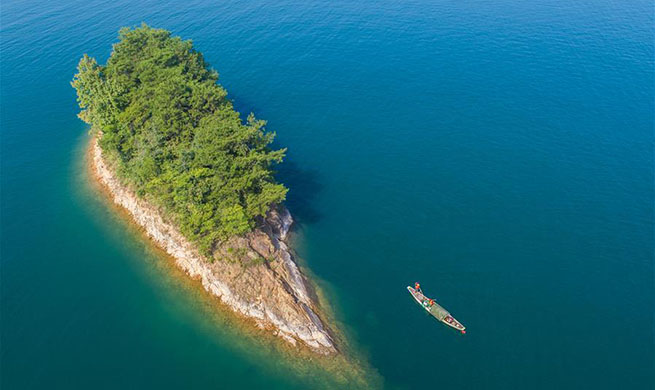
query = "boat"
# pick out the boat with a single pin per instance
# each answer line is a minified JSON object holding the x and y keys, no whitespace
{"x":435,"y":310}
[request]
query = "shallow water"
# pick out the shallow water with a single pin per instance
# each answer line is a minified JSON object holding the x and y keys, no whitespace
{"x":499,"y":152}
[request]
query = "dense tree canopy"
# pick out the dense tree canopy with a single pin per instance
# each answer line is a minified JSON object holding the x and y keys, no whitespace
{"x":175,"y":138}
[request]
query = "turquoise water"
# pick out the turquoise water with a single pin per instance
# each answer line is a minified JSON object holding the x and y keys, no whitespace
{"x":501,"y":152}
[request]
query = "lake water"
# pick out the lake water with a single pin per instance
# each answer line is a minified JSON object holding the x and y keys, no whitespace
{"x":499,"y":152}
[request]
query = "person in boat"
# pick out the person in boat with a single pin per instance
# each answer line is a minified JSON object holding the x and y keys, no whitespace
{"x":417,"y":287}
{"x":427,"y":303}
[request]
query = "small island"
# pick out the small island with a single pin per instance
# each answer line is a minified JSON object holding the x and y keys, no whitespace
{"x":169,"y":147}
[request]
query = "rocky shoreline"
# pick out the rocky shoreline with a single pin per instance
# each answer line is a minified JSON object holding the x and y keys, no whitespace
{"x":254,"y":275}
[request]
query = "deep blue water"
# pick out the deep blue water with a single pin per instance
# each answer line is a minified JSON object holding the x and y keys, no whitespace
{"x":501,"y":152}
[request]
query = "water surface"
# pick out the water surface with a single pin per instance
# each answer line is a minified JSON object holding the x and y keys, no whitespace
{"x":501,"y":152}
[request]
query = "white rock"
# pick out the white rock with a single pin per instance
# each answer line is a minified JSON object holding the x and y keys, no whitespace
{"x":255,"y":291}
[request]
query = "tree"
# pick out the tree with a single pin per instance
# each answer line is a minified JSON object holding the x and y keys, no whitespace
{"x":174,"y":137}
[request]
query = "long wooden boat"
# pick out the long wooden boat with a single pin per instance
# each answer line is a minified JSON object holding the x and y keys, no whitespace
{"x":435,"y":310}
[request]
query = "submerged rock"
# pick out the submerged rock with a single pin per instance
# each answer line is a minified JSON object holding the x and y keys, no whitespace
{"x":255,"y":275}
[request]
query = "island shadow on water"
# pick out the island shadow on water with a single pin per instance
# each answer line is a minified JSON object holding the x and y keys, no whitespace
{"x":304,"y":187}
{"x":303,"y":184}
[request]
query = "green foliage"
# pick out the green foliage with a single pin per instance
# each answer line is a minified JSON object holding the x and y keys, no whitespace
{"x":176,"y":138}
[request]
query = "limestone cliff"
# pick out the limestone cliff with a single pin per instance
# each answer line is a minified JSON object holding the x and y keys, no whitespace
{"x":255,"y":275}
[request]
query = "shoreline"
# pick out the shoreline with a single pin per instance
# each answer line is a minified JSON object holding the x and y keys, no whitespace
{"x":297,"y":319}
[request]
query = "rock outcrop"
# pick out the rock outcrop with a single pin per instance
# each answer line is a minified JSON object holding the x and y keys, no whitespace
{"x":255,"y":275}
